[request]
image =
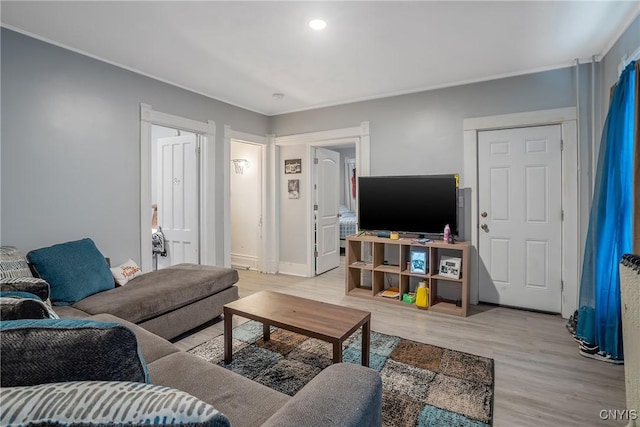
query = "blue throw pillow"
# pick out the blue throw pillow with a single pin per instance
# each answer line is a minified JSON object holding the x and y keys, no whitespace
{"x":105,"y":404}
{"x":55,"y":350}
{"x":74,"y":270}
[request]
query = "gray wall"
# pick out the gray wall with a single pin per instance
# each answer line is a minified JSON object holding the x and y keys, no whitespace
{"x":70,"y":137}
{"x":71,"y":144}
{"x":293,"y":212}
{"x":422,"y":133}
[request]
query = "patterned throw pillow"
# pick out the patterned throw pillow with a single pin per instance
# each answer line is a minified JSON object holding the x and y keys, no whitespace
{"x":53,"y":350}
{"x":74,"y":270}
{"x":105,"y":404}
{"x":33,"y":285}
{"x":13,"y":263}
{"x":24,"y":305}
{"x":125,"y":272}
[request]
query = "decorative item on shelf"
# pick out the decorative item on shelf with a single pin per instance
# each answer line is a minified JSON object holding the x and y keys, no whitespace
{"x":394,"y":235}
{"x":392,"y":292}
{"x":419,"y":263}
{"x":447,"y":233}
{"x":450,"y":267}
{"x":409,"y":298}
{"x":422,"y":295}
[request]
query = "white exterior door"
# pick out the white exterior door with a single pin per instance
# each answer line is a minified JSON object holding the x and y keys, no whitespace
{"x":520,"y":207}
{"x":327,"y":198}
{"x":178,"y":203}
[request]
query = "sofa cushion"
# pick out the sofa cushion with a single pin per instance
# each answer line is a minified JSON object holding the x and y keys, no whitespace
{"x":22,"y":305}
{"x":125,"y":272}
{"x":158,"y":292}
{"x":151,"y":345}
{"x":13,"y":263}
{"x":68,"y":312}
{"x":246,"y":403}
{"x":74,"y":270}
{"x":54,"y":350}
{"x":103,"y":403}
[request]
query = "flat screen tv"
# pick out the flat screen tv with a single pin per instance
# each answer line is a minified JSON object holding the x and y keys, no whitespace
{"x":421,"y":204}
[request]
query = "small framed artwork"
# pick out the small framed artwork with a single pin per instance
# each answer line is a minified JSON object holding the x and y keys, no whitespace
{"x":450,"y":267}
{"x":418,"y":263}
{"x":293,"y":166}
{"x":293,"y":187}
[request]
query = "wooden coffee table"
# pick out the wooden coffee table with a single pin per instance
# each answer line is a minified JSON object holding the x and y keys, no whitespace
{"x":327,"y":322}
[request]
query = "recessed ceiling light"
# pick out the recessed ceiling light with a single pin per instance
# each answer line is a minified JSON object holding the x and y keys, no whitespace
{"x":317,"y":24}
{"x":278,"y":96}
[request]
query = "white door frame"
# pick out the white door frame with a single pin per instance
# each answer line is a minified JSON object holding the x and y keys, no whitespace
{"x":149,"y":117}
{"x":567,"y":118}
{"x":264,"y":264}
{"x":358,"y":136}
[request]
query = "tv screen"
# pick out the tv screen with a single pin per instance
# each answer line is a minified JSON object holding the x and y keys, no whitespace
{"x":411,"y":204}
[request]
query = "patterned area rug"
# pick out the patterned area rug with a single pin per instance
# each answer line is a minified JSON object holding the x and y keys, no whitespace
{"x":423,"y":385}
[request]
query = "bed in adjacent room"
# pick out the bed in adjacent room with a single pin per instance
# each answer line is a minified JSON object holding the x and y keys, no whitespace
{"x":348,"y":222}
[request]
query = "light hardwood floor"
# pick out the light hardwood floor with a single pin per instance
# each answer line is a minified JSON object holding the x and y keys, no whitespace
{"x":540,"y":379}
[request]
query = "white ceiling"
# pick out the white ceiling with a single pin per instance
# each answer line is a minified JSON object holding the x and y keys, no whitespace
{"x":243,"y":52}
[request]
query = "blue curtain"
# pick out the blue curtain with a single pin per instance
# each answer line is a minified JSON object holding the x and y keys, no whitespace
{"x":610,"y":224}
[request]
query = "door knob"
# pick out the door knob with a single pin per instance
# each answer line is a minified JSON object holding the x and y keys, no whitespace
{"x":483,"y":214}
{"x":485,"y":227}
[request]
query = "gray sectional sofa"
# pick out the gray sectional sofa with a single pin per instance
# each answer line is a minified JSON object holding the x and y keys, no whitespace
{"x":343,"y":395}
{"x":55,"y":356}
{"x":167,"y":302}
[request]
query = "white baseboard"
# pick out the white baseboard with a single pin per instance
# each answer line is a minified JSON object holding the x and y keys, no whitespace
{"x":248,"y":261}
{"x":293,"y":269}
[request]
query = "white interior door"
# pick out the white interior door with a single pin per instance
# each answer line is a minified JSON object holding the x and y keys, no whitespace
{"x":245,"y":204}
{"x":520,"y":206}
{"x":327,"y":197}
{"x":178,"y":204}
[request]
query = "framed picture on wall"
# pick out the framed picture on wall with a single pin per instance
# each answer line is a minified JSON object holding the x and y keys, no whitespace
{"x":293,"y":166}
{"x":293,"y":187}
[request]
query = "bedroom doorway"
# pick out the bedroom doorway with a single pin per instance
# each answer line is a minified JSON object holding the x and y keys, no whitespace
{"x":348,"y":192}
{"x":246,"y":200}
{"x":202,"y":176}
{"x":296,"y":211}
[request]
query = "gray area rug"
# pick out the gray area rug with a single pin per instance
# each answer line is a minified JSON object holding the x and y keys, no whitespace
{"x":423,"y":385}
